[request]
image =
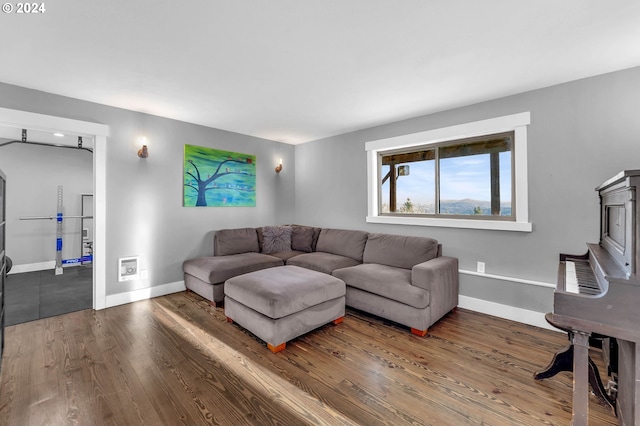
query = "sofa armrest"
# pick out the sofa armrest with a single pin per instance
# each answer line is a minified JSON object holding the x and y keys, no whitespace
{"x":438,"y":276}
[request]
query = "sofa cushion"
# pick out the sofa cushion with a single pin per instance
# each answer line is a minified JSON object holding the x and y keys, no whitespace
{"x":286,"y":255}
{"x":322,"y":262}
{"x":234,"y":241}
{"x":342,"y":242}
{"x":302,"y":238}
{"x":398,"y":250}
{"x":386,"y":281}
{"x":278,"y":292}
{"x":276,"y":239}
{"x":218,"y":269}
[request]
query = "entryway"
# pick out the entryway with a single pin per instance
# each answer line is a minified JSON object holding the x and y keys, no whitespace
{"x":49,"y":218}
{"x":97,"y":133}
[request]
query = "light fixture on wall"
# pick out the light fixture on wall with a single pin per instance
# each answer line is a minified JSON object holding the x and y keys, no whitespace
{"x":279,"y":167}
{"x":144,"y":151}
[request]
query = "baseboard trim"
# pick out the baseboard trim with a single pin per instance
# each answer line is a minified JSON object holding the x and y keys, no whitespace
{"x":505,"y":311}
{"x":511,"y":279}
{"x":144,"y":293}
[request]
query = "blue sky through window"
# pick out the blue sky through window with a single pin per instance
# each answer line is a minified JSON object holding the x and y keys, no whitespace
{"x":466,"y":177}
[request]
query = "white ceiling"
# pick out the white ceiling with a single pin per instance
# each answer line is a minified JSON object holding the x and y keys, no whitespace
{"x":295,"y":71}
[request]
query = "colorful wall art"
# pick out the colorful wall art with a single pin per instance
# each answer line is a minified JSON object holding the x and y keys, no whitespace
{"x":216,"y":178}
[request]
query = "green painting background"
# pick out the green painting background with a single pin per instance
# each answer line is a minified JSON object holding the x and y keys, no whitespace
{"x":235,"y":185}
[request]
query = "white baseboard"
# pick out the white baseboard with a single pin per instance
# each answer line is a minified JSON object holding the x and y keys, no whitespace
{"x":510,"y":279}
{"x":144,"y":293}
{"x":505,"y":311}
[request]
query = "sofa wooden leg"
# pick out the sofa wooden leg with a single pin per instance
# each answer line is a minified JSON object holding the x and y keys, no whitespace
{"x":278,"y":348}
{"x":229,"y":320}
{"x":420,"y":333}
{"x":212,"y":303}
{"x":338,"y":321}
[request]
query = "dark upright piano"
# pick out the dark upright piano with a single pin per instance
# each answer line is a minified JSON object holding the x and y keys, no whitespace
{"x":598,"y":294}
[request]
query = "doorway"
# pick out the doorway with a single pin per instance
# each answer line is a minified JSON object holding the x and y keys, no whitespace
{"x":49,"y":238}
{"x":16,"y":120}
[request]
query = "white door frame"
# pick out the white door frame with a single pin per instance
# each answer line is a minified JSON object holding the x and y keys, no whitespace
{"x":99,"y":132}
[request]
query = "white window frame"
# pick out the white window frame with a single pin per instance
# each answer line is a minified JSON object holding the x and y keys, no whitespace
{"x":516,"y":122}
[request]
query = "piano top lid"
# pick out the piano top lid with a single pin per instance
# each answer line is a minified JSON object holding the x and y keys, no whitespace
{"x":618,"y":178}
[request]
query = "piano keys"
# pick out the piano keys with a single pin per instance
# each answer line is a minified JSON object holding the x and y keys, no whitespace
{"x":579,"y":277}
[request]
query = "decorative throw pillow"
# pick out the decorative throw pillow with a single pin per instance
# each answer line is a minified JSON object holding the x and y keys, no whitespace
{"x":276,"y":239}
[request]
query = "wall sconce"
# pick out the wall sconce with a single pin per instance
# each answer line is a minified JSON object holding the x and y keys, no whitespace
{"x":279,"y":167}
{"x":143,"y":152}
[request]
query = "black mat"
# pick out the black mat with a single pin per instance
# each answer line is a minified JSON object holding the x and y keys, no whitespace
{"x":33,"y":295}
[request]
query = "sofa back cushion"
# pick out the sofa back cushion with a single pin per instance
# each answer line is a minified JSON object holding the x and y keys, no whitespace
{"x":304,"y":238}
{"x":234,"y":241}
{"x":398,"y":250}
{"x":342,"y":242}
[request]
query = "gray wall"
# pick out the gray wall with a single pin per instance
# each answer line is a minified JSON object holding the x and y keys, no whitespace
{"x":581,"y":133}
{"x":34,"y":173}
{"x":144,"y":197}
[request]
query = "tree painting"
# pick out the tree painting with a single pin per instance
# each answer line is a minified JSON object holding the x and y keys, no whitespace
{"x":218,"y":178}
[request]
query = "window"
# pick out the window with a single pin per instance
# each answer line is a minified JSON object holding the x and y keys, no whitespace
{"x":468,"y":176}
{"x":471,"y":177}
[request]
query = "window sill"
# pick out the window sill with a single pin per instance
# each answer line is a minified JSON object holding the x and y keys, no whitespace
{"x":495,"y":225}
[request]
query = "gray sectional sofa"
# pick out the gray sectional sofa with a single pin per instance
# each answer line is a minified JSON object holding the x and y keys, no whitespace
{"x":401,"y":278}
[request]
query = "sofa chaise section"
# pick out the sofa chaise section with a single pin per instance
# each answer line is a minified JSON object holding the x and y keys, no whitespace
{"x":236,"y":252}
{"x":403,"y":279}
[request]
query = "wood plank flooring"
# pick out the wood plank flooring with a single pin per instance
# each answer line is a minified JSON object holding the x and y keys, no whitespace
{"x":174,"y":360}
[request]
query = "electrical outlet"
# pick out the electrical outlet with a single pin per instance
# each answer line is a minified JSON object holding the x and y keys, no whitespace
{"x":481,"y":267}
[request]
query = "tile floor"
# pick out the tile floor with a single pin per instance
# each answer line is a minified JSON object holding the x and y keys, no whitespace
{"x":33,"y":295}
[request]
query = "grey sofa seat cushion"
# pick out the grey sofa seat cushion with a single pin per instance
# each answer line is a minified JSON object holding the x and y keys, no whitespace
{"x":342,"y":242}
{"x":235,"y":241}
{"x":286,"y":255}
{"x":322,"y":262}
{"x":278,"y":292}
{"x":399,"y":250}
{"x":418,"y":318}
{"x":218,"y":269}
{"x":387,"y":281}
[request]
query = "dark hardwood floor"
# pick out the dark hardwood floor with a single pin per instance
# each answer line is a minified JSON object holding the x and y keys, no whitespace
{"x":175,"y":360}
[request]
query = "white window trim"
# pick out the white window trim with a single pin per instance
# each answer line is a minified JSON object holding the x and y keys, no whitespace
{"x":516,"y":122}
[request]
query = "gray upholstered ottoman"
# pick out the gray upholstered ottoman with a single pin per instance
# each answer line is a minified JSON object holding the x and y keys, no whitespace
{"x":279,"y":304}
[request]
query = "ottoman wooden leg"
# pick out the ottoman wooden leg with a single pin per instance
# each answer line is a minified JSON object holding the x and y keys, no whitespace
{"x":278,"y":348}
{"x":338,"y":321}
{"x":420,"y":333}
{"x":229,"y":320}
